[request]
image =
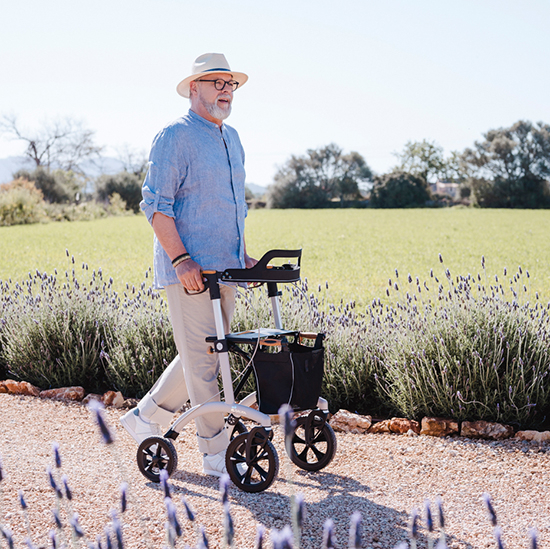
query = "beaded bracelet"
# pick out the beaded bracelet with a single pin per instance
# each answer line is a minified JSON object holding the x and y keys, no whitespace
{"x":180,"y":259}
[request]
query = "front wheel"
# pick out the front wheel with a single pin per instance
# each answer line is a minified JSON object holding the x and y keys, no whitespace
{"x":313,"y":442}
{"x":155,"y":454}
{"x":252,"y":461}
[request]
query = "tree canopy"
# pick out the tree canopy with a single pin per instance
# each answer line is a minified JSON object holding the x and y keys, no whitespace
{"x":319,"y":176}
{"x":510,"y":168}
{"x":399,"y":190}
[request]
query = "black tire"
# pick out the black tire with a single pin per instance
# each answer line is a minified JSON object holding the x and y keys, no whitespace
{"x":263,"y":467}
{"x":155,"y":454}
{"x":238,"y":429}
{"x":314,"y":450}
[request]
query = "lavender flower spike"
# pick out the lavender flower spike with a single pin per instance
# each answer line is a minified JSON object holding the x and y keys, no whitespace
{"x":533,"y":538}
{"x":439,"y":504}
{"x":171,"y":513}
{"x":73,"y":521}
{"x":414,"y":524}
{"x":328,"y":534}
{"x":163,"y":475}
{"x":68,"y":493}
{"x":188,"y":510}
{"x":1,"y":471}
{"x":123,"y":496}
{"x":229,"y":529}
{"x":53,"y":539}
{"x":286,"y":415}
{"x":300,"y":510}
{"x":97,"y":408}
{"x":224,"y":488}
{"x":203,"y":541}
{"x":260,"y":532}
{"x":56,"y":455}
{"x":22,"y":500}
{"x":429,"y":518}
{"x":497,"y":532}
{"x":355,"y":531}
{"x":490,"y":509}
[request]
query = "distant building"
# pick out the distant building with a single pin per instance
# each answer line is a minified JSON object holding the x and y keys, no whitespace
{"x":449,"y":188}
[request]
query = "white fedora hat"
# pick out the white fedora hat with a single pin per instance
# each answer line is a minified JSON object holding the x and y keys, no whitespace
{"x":209,"y":63}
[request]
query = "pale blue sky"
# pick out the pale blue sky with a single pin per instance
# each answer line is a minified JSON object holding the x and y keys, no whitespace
{"x":367,"y":75}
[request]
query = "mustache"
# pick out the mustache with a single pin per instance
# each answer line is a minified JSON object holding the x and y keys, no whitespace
{"x":227,"y":97}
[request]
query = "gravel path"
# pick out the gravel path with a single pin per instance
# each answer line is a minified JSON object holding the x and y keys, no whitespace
{"x":382,"y":476}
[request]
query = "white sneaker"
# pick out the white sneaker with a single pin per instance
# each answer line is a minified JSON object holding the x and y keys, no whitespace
{"x":138,"y":427}
{"x":214,"y":464}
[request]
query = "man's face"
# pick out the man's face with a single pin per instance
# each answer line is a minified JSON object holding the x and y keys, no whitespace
{"x":216,"y":103}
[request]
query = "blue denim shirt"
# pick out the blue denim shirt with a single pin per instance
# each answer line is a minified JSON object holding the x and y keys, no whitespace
{"x":196,"y":176}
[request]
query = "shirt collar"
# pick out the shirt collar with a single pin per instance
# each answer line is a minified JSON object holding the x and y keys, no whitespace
{"x":209,"y":124}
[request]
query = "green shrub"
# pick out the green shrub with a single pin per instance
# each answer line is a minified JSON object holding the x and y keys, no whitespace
{"x":20,"y":203}
{"x":57,"y":186}
{"x":126,"y":185}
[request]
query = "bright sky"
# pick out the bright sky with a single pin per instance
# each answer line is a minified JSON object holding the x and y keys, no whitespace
{"x":368,"y":75}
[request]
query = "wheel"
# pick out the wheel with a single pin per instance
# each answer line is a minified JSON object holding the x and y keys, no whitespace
{"x":238,"y":429}
{"x":313,"y":443}
{"x":256,"y":471}
{"x":154,"y":454}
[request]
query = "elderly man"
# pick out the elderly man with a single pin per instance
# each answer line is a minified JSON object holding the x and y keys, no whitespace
{"x":193,"y":196}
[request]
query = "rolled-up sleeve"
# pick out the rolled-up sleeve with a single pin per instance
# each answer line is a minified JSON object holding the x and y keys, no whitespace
{"x":163,"y":179}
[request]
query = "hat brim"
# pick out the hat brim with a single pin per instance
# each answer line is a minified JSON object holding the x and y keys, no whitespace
{"x":183,"y":87}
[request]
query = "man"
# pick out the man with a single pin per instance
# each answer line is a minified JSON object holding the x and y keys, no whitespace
{"x":193,"y":196}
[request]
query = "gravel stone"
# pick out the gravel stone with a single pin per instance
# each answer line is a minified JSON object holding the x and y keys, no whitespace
{"x":383,"y":476}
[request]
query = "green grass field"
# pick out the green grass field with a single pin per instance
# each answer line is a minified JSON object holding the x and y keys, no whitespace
{"x":355,"y":251}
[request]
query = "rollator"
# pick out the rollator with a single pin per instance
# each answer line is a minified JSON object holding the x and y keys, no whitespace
{"x":288,"y":367}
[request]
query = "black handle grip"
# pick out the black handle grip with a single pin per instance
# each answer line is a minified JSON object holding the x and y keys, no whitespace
{"x":262,"y":272}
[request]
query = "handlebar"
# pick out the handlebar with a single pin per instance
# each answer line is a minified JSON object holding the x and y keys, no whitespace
{"x":263,"y":272}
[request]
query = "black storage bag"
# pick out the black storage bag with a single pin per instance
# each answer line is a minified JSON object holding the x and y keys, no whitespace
{"x":292,"y":376}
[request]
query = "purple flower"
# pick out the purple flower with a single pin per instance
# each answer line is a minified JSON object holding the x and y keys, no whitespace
{"x":164,"y":483}
{"x":300,"y":510}
{"x":68,"y":492}
{"x":203,"y":540}
{"x":22,"y":501}
{"x":171,"y":513}
{"x":57,"y":519}
{"x":224,"y":488}
{"x":355,"y":531}
{"x":53,"y":539}
{"x":228,"y":527}
{"x":328,"y":534}
{"x":429,"y":518}
{"x":57,"y":457}
{"x":441,"y":516}
{"x":414,"y":524}
{"x":97,"y":408}
{"x":490,"y":509}
{"x":260,"y":532}
{"x":188,"y":510}
{"x":73,"y":521}
{"x":123,"y":497}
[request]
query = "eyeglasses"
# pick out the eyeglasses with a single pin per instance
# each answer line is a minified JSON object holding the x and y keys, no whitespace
{"x":220,"y":84}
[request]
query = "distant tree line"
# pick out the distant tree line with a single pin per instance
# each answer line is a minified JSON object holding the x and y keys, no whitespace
{"x":509,"y":168}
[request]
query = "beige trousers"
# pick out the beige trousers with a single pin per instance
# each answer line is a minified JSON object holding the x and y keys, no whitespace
{"x":192,"y":375}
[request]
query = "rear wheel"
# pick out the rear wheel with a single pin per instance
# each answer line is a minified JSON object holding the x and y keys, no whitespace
{"x":155,"y":454}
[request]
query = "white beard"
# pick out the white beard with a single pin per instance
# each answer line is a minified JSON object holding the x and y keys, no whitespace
{"x":214,"y":110}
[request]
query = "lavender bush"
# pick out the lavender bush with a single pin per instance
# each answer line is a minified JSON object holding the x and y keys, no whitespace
{"x":470,"y":347}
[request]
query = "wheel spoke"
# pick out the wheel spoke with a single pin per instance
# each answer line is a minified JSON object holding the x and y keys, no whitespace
{"x":261,"y":471}
{"x":303,"y":454}
{"x":318,"y":453}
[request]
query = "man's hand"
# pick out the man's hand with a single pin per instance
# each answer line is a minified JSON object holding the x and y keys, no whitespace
{"x":189,"y":274}
{"x":249,"y":262}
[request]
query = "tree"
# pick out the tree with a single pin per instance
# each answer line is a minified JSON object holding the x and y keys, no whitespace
{"x":126,"y":185}
{"x":312,"y":180}
{"x":423,"y":159}
{"x":511,"y":167}
{"x":63,"y":143}
{"x":399,"y":190}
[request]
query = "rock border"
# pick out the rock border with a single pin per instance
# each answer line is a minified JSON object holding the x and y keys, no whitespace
{"x":342,"y":421}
